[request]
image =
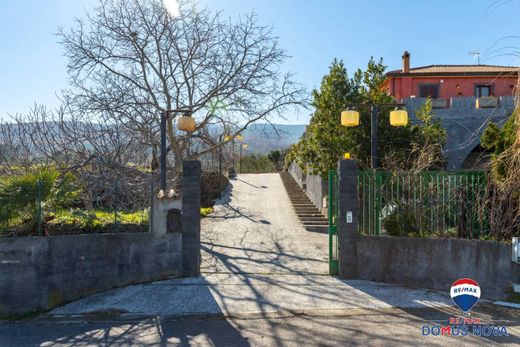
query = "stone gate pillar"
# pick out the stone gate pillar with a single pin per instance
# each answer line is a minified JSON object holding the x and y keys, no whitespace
{"x":347,"y":218}
{"x":191,"y":218}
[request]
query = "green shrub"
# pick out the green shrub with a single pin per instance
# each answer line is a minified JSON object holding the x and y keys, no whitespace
{"x":27,"y":200}
{"x":77,"y":221}
{"x":401,"y":222}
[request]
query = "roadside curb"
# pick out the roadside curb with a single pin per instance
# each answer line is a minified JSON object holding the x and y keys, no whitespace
{"x":316,"y":313}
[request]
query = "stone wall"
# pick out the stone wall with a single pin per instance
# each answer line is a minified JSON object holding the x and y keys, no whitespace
{"x":437,"y":263}
{"x":39,"y":273}
{"x":297,"y":173}
{"x":316,"y":189}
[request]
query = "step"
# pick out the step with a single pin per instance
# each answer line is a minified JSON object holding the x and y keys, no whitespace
{"x":316,"y":218}
{"x":314,"y":222}
{"x":307,"y":213}
{"x":317,"y":228}
{"x":311,"y":215}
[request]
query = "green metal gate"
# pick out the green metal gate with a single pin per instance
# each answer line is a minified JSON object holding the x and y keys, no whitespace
{"x":333,"y":223}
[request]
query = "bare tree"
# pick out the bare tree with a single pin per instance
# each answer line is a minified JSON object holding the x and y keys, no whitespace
{"x":130,"y":60}
{"x":103,"y":156}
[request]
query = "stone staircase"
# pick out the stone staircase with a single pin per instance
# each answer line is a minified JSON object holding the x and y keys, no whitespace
{"x":309,"y":215}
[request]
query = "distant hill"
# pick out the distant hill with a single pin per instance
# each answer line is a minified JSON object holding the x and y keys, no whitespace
{"x":263,"y":138}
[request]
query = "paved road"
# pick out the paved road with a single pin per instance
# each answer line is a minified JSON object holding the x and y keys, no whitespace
{"x":390,"y":327}
{"x":264,"y":282}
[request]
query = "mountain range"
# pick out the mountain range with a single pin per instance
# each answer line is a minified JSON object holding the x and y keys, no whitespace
{"x":263,"y":138}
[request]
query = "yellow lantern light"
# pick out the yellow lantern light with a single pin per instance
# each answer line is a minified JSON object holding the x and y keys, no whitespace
{"x":186,"y":123}
{"x":239,"y":138}
{"x":350,"y":118}
{"x":346,"y":155}
{"x":398,"y":118}
{"x":227,"y":138}
{"x":244,"y":146}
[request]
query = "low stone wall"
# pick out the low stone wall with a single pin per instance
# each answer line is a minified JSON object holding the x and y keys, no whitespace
{"x":437,"y":263}
{"x":39,"y":273}
{"x":297,"y":173}
{"x":316,"y":190}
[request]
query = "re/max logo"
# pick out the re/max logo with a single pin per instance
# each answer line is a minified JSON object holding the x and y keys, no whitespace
{"x":465,"y":290}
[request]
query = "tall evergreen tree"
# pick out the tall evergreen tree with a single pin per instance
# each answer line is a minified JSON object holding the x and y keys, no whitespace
{"x":325,"y":139}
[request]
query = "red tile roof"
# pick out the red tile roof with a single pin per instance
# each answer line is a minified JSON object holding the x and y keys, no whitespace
{"x":458,"y":70}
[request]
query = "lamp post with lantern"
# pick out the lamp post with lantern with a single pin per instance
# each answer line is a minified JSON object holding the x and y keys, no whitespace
{"x":398,"y":118}
{"x":186,"y":123}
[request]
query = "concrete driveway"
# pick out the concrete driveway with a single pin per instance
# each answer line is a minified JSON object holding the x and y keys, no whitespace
{"x":254,"y":230}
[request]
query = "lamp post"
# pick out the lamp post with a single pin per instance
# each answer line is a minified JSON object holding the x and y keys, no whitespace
{"x":186,"y":123}
{"x":350,"y":118}
{"x":244,"y":146}
{"x":239,"y":139}
{"x":222,"y":137}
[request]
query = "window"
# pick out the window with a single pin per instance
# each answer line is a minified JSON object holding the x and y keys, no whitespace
{"x":429,"y":91}
{"x":482,"y":90}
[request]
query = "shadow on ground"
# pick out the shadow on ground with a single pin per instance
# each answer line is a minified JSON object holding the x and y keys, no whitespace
{"x":267,"y":277}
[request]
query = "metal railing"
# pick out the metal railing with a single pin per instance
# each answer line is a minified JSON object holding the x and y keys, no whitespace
{"x":420,"y":204}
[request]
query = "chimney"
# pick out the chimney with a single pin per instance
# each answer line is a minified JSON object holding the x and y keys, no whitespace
{"x":406,"y":62}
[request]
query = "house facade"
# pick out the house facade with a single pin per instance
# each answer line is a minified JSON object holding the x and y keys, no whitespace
{"x":465,"y":98}
{"x":448,"y":81}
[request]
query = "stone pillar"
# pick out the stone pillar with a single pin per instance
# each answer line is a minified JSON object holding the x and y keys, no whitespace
{"x":347,"y":218}
{"x":191,"y":218}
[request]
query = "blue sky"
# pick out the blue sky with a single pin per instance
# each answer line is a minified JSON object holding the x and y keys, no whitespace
{"x":32,"y":68}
